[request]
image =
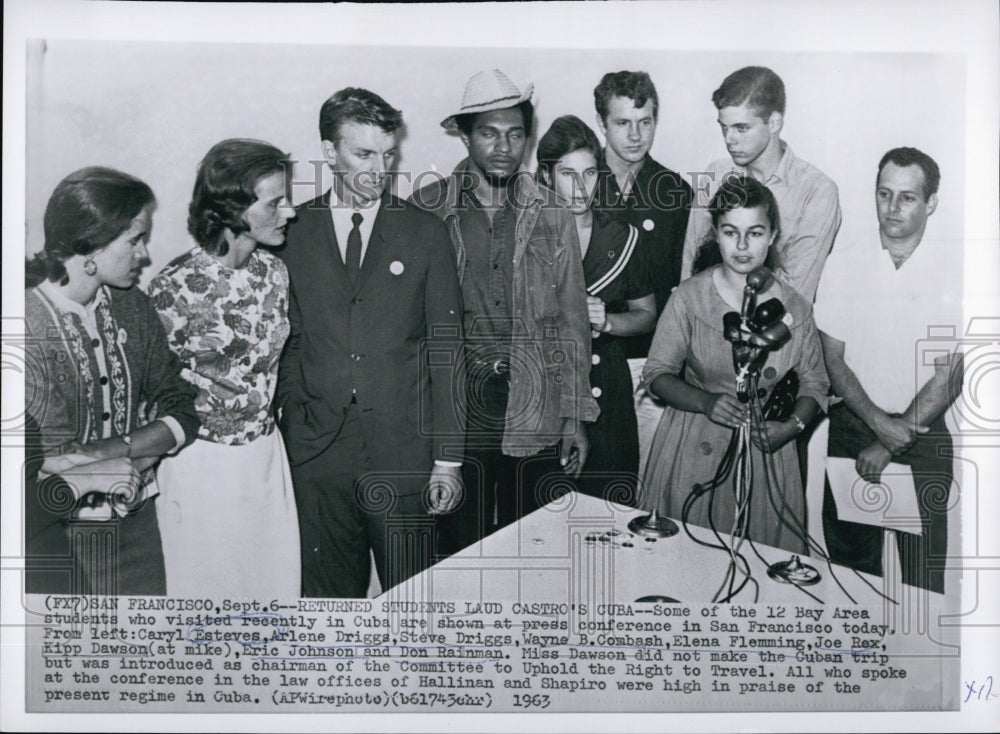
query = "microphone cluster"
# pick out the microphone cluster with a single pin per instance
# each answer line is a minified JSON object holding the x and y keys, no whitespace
{"x":755,"y":330}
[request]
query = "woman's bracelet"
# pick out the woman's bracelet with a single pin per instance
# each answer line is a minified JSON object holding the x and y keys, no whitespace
{"x":799,"y":425}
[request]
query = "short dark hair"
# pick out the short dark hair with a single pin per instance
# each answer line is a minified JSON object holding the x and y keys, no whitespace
{"x":903,"y":157}
{"x":738,"y":192}
{"x":224,"y":189}
{"x":465,"y":123}
{"x":635,"y":85}
{"x":756,"y":86}
{"x":360,"y":106}
{"x":566,"y":134}
{"x":88,"y":210}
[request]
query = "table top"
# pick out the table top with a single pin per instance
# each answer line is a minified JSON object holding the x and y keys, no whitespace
{"x":580,"y":548}
{"x":552,"y":571}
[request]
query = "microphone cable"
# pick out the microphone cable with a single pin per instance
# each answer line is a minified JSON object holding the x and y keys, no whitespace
{"x":787,"y":516}
{"x":737,"y":560}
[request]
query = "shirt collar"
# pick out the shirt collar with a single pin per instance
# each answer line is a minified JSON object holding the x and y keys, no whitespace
{"x":781,"y":173}
{"x":208,"y":262}
{"x":639,"y":179}
{"x":912,"y":257}
{"x":525,"y":190}
{"x":62,"y":302}
{"x":337,"y":206}
{"x":785,"y":164}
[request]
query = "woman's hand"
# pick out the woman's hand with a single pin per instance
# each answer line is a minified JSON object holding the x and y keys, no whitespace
{"x":59,"y":463}
{"x":778,"y":434}
{"x":100,"y":450}
{"x":149,"y":440}
{"x":145,"y":417}
{"x":597,"y":314}
{"x":726,"y":410}
{"x":110,"y":477}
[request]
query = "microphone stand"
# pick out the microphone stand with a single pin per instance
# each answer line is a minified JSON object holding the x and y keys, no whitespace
{"x":753,"y":333}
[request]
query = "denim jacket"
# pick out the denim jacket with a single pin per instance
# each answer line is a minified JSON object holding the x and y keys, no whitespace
{"x":550,"y":349}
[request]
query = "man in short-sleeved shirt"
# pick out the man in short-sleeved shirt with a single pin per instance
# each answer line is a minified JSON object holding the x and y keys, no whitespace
{"x":751,"y":105}
{"x":878,"y":311}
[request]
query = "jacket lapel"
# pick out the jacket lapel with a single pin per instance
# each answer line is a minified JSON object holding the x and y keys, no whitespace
{"x":329,"y":251}
{"x":384,"y":234}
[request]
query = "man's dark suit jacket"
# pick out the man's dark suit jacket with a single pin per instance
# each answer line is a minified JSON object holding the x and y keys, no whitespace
{"x":394,"y":338}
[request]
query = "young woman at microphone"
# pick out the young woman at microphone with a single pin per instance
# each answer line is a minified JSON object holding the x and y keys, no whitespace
{"x":691,"y":368}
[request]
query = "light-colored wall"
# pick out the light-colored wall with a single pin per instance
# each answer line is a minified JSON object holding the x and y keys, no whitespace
{"x":154,"y":108}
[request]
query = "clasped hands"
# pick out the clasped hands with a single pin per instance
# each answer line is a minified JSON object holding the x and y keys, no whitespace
{"x":96,"y":477}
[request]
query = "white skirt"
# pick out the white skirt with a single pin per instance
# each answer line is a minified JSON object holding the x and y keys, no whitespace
{"x":228,"y":521}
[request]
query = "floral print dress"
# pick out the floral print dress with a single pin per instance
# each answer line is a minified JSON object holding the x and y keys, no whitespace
{"x":229,"y":523}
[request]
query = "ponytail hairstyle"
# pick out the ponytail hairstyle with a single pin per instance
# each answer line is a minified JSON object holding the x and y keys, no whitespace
{"x":88,"y":210}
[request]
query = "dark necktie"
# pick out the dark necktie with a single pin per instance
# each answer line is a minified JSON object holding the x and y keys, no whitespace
{"x":354,"y":248}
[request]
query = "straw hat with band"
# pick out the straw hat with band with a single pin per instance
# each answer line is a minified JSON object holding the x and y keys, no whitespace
{"x":488,"y":91}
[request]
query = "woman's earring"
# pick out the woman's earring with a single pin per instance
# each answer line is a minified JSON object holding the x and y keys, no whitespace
{"x":89,"y":266}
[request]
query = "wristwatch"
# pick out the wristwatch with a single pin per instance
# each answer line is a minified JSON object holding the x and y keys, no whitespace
{"x":799,"y":425}
{"x":127,"y":439}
